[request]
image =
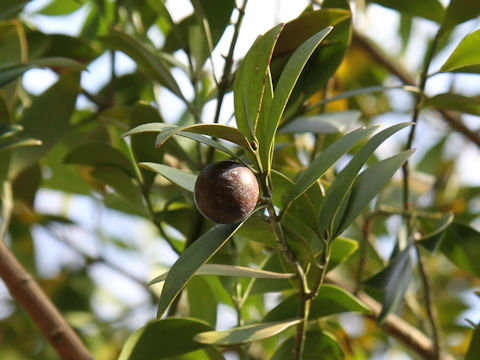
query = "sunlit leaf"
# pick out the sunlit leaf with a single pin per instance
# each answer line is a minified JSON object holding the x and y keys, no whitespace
{"x":244,"y":334}
{"x":16,"y":143}
{"x":61,"y":7}
{"x":191,"y":260}
{"x":340,"y":250}
{"x":250,"y":81}
{"x":231,"y":270}
{"x":162,"y":339}
{"x":392,"y":282}
{"x":326,"y":123}
{"x":466,"y":56}
{"x":284,"y":88}
{"x":330,"y":300}
{"x":177,"y":176}
{"x":9,"y":130}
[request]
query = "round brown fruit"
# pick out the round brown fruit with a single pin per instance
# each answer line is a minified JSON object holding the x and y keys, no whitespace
{"x":226,"y":192}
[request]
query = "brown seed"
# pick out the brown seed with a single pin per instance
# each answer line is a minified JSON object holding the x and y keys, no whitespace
{"x":226,"y":192}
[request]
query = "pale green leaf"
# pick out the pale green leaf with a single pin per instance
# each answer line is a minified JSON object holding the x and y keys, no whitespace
{"x":177,"y":176}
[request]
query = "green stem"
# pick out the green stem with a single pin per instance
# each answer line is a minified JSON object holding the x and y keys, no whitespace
{"x":303,"y":292}
{"x":406,"y":194}
{"x":7,"y":208}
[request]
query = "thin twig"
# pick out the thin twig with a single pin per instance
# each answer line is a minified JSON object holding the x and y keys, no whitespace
{"x":25,"y":290}
{"x":227,"y":72}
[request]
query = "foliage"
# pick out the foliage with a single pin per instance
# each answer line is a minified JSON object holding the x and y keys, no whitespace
{"x":344,"y":199}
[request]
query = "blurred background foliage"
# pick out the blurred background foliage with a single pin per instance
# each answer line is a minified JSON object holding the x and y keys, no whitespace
{"x":94,"y":228}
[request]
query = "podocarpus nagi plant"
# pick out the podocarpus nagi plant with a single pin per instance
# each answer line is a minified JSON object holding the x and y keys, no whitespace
{"x":302,"y":139}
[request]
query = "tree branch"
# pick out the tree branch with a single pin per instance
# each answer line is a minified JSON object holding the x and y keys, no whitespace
{"x":30,"y":296}
{"x":394,"y":325}
{"x":453,"y":121}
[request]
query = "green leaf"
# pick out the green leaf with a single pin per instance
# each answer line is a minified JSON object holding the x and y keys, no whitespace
{"x":191,"y":260}
{"x":316,"y":343}
{"x":16,"y":143}
{"x":466,"y":56}
{"x":340,"y":250}
{"x":96,"y":154}
{"x":455,"y":102}
{"x":283,"y":89}
{"x":244,"y":334}
{"x":258,"y":228}
{"x":179,"y":177}
{"x":330,"y":300}
{"x":121,"y":183}
{"x":162,"y":339}
{"x":47,"y":119}
{"x":7,"y":131}
{"x":459,"y":11}
{"x":473,"y":351}
{"x":326,"y":123}
{"x":368,"y":184}
{"x":61,"y":7}
{"x":216,"y":130}
{"x":9,"y":8}
{"x":433,"y":238}
{"x":250,"y":80}
{"x":231,"y":270}
{"x":392,"y":281}
{"x":428,"y":9}
{"x":460,"y":244}
{"x":325,"y":160}
{"x":337,"y":192}
{"x":202,"y":302}
{"x":151,"y":63}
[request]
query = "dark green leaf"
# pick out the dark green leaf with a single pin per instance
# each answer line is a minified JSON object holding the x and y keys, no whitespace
{"x":145,"y":57}
{"x":455,"y":102}
{"x":432,"y":238}
{"x":316,"y":343}
{"x":428,"y":9}
{"x":325,"y":160}
{"x":191,"y":260}
{"x":47,"y":119}
{"x":368,"y":184}
{"x":96,"y":154}
{"x":163,"y":339}
{"x":8,"y":130}
{"x":244,"y":334}
{"x":393,"y":282}
{"x":459,"y":11}
{"x":179,"y":177}
{"x":466,"y":56}
{"x":9,"y":8}
{"x":460,"y":244}
{"x":473,"y":351}
{"x":334,"y":201}
{"x":330,"y":300}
